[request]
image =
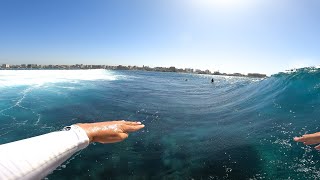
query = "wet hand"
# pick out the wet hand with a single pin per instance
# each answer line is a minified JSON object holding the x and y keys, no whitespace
{"x":110,"y":131}
{"x":309,"y":139}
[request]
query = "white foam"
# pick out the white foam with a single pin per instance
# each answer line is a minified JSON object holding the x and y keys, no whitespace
{"x":40,"y":77}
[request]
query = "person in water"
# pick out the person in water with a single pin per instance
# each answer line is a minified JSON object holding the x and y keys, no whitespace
{"x":212,"y":80}
{"x":36,"y":157}
{"x":309,"y":139}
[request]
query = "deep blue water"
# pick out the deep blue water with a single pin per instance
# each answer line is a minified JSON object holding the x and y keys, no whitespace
{"x":236,"y":128}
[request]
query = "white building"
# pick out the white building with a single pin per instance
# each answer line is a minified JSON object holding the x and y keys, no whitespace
{"x":5,"y":66}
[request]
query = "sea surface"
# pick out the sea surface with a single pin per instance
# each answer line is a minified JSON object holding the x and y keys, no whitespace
{"x":235,"y":128}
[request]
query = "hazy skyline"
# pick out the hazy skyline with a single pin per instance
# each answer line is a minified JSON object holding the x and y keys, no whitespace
{"x":265,"y":36}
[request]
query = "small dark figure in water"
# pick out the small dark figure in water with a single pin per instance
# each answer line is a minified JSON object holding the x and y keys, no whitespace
{"x":212,"y":80}
{"x":186,"y":79}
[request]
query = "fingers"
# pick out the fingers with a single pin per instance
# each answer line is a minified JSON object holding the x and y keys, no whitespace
{"x":111,"y":131}
{"x":122,"y":121}
{"x":129,"y":126}
{"x":309,"y":139}
{"x":298,"y":139}
{"x":310,"y":143}
{"x":132,"y":123}
{"x":118,"y":137}
{"x":132,"y":128}
{"x":123,"y":136}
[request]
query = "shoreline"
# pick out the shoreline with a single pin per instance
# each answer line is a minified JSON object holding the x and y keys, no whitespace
{"x":249,"y":75}
{"x":130,"y":68}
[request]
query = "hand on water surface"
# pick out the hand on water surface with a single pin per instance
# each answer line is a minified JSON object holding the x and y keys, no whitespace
{"x":110,"y":131}
{"x":309,"y":139}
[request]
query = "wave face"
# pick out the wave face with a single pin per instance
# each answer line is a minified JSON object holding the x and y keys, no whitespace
{"x":236,"y":128}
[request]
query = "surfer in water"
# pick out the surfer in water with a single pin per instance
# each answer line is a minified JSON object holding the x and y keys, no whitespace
{"x":36,"y":157}
{"x":309,"y":139}
{"x":212,"y":80}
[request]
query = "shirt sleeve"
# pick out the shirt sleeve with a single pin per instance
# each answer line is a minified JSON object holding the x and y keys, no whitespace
{"x":36,"y":157}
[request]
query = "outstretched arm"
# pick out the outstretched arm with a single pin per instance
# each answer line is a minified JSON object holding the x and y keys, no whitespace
{"x":36,"y":157}
{"x":310,"y":139}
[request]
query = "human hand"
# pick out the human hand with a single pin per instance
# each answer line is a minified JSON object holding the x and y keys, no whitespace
{"x":110,"y":131}
{"x":309,"y":139}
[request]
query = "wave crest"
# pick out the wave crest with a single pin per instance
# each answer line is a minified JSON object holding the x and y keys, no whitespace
{"x":40,"y":77}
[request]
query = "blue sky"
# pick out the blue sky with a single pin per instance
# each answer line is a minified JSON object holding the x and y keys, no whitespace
{"x":264,"y":36}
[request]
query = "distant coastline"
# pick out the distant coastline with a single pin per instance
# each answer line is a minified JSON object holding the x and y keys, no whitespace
{"x":121,"y":67}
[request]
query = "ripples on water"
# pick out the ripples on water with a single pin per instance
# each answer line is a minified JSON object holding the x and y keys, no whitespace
{"x":236,"y":128}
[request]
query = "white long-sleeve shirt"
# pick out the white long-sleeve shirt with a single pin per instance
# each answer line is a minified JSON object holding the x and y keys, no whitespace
{"x":36,"y":157}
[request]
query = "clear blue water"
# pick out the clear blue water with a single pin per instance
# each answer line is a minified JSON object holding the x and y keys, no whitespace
{"x":236,"y":128}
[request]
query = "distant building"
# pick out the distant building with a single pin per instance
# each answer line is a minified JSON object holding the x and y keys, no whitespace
{"x":147,"y":68}
{"x":189,"y":70}
{"x":198,"y":71}
{"x":180,"y":70}
{"x":67,"y":66}
{"x":257,"y":75}
{"x":5,"y":66}
{"x":237,"y":74}
{"x":172,"y":69}
{"x":87,"y":66}
{"x":32,"y":66}
{"x":159,"y":69}
{"x":98,"y":66}
{"x":207,"y":71}
{"x":95,"y":66}
{"x":120,"y":67}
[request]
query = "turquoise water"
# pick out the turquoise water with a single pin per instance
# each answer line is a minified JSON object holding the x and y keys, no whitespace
{"x":236,"y":128}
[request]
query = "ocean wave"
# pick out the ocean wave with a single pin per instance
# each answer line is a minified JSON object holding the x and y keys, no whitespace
{"x":40,"y":77}
{"x":240,"y":128}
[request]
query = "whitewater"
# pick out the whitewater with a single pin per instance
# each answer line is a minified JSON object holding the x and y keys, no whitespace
{"x":235,"y":128}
